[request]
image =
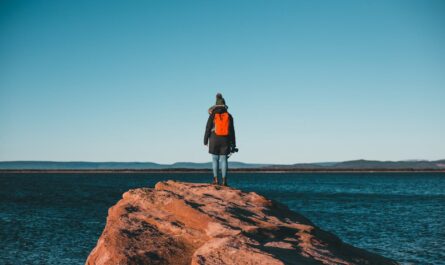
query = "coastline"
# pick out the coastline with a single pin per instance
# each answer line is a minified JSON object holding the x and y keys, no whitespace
{"x":234,"y":170}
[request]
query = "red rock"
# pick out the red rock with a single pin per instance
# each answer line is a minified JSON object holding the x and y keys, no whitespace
{"x":188,"y":223}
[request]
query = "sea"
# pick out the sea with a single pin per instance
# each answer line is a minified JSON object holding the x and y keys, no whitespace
{"x":52,"y":218}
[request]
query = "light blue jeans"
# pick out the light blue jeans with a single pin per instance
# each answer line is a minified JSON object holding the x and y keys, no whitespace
{"x":218,"y":160}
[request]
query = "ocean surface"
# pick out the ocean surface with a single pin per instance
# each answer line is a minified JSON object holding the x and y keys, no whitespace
{"x":57,"y":218}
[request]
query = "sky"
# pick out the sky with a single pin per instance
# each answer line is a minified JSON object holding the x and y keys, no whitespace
{"x":306,"y":81}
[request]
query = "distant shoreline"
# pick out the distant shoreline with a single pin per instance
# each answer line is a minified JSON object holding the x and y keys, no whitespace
{"x":352,"y":166}
{"x":237,"y":170}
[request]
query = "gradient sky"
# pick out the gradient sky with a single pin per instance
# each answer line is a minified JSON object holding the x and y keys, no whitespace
{"x":305,"y":81}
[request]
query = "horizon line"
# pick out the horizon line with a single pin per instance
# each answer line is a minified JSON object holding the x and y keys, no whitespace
{"x":84,"y":161}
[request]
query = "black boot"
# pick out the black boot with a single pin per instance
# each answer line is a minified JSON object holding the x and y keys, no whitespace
{"x":215,"y":181}
{"x":224,"y":182}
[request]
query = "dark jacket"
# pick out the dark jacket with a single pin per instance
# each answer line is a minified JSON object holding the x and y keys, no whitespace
{"x":219,"y":145}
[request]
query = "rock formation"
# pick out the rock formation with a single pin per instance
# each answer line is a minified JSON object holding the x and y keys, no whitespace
{"x":189,"y":223}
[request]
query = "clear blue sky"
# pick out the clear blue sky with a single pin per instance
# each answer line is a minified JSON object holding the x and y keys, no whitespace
{"x":305,"y":81}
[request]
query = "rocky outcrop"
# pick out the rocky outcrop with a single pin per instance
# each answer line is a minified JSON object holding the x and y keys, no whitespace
{"x":189,"y":223}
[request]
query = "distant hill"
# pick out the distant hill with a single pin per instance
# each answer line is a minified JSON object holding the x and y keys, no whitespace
{"x":414,"y":164}
{"x":77,"y":165}
{"x":114,"y":165}
{"x":353,"y":164}
{"x":370,"y":164}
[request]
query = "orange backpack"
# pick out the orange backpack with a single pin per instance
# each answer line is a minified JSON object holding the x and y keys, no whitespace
{"x":221,"y":121}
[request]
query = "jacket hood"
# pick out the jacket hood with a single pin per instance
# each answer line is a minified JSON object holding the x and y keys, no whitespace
{"x":219,"y":109}
{"x":214,"y":107}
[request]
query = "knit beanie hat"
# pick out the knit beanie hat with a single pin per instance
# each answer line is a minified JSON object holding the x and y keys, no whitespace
{"x":220,"y":100}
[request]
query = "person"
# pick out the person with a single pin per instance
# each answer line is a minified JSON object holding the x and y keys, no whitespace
{"x":220,"y":137}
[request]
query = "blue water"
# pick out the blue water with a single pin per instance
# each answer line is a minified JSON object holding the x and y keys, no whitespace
{"x":57,"y":218}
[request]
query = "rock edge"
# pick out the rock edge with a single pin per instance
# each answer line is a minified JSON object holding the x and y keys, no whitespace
{"x":192,"y":223}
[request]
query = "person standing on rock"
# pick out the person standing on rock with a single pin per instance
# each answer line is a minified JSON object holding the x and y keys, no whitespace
{"x":220,"y":136}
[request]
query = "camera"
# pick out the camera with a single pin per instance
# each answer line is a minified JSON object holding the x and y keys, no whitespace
{"x":233,"y":149}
